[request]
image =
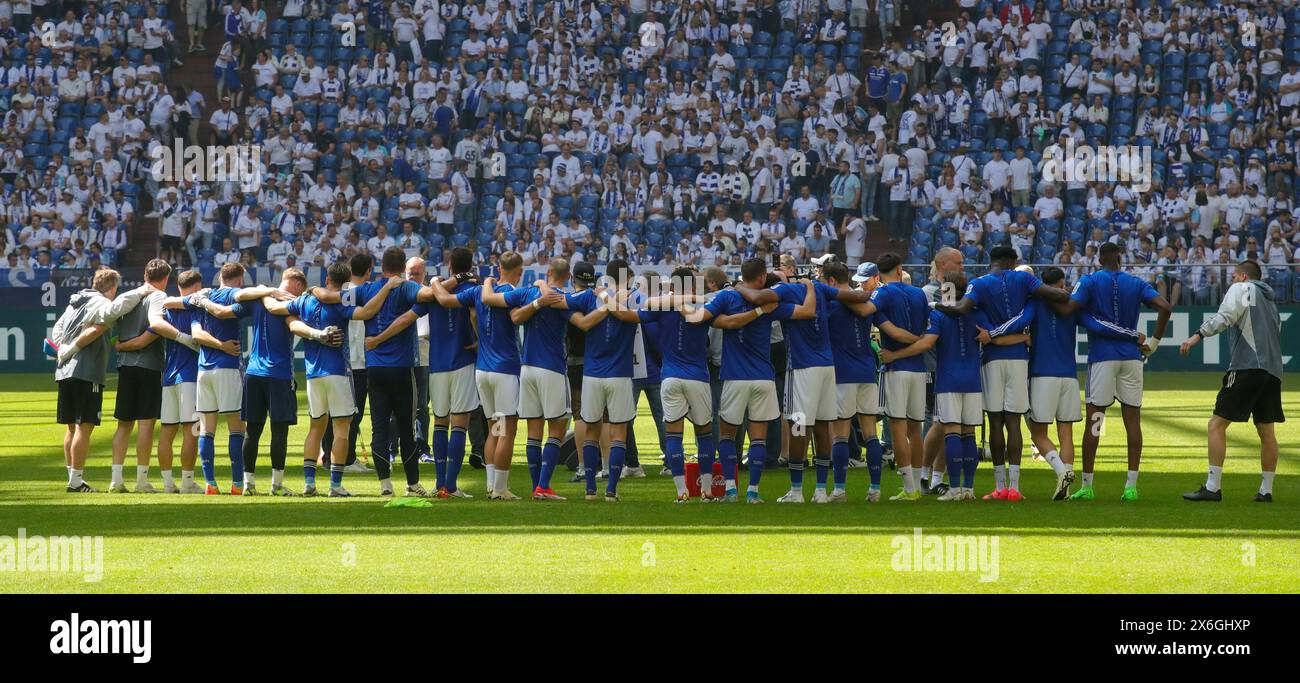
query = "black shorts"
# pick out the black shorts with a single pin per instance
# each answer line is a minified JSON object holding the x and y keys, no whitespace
{"x":269,"y":396}
{"x":575,"y":383}
{"x":172,"y":242}
{"x":1250,"y":393}
{"x":139,"y":394}
{"x":80,"y":402}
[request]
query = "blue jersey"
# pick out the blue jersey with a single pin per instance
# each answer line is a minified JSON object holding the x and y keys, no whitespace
{"x":182,"y":361}
{"x":808,"y":340}
{"x":684,"y":347}
{"x":609,"y":345}
{"x":544,"y":333}
{"x":397,"y":351}
{"x":746,"y":351}
{"x":223,"y":329}
{"x":855,"y":360}
{"x":498,"y":340}
{"x":957,"y":352}
{"x":450,"y":332}
{"x":1001,"y":296}
{"x":271,"y":354}
{"x":1112,"y":299}
{"x":1055,"y":341}
{"x":323,"y":360}
{"x":907,"y":308}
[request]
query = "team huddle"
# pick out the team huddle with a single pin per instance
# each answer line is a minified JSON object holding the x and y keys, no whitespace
{"x":1001,"y":345}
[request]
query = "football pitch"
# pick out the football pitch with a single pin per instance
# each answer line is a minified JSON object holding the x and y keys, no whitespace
{"x":196,"y":544}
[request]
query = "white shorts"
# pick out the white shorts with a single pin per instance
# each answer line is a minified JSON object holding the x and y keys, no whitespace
{"x":860,"y":398}
{"x":178,"y":403}
{"x":330,"y":395}
{"x":453,"y":391}
{"x":686,"y":398}
{"x":810,"y":395}
{"x":1054,"y":398}
{"x":1006,"y":386}
{"x":542,"y":393}
{"x":757,"y":397}
{"x":220,"y":391}
{"x":1115,"y":379}
{"x":498,"y":392}
{"x":905,"y":395}
{"x":607,"y":397}
{"x":959,"y":408}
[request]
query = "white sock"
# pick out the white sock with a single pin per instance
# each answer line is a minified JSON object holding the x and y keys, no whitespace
{"x":706,"y":484}
{"x":491,"y":478}
{"x":679,"y":480}
{"x":1214,"y":480}
{"x":936,"y":478}
{"x":1132,"y":480}
{"x":752,"y":488}
{"x":248,"y":480}
{"x":74,"y":477}
{"x":141,"y":475}
{"x":1013,"y":480}
{"x":1054,"y":459}
{"x":1000,"y":477}
{"x":169,"y":478}
{"x":731,"y":484}
{"x":500,"y":479}
{"x":906,"y":473}
{"x":925,"y":473}
{"x":187,"y":477}
{"x":277,"y":478}
{"x":1087,"y":479}
{"x":1266,"y":482}
{"x":117,"y":476}
{"x":386,"y":484}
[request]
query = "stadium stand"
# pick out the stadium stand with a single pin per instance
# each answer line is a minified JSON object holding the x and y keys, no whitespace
{"x":667,"y":132}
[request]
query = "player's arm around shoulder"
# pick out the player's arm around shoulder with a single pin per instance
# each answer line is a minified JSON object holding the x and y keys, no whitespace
{"x":808,"y":307}
{"x":376,"y":302}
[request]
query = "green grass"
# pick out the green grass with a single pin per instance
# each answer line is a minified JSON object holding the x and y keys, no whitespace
{"x":646,"y":543}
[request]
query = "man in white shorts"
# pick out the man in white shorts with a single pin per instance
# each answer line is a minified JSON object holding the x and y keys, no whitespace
{"x":748,"y":387}
{"x":220,"y":380}
{"x":901,"y":313}
{"x":811,"y":398}
{"x":543,"y":382}
{"x":329,"y":386}
{"x":607,"y":393}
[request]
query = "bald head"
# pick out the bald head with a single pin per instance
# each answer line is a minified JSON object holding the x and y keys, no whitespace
{"x":946,"y":259}
{"x":415,"y":270}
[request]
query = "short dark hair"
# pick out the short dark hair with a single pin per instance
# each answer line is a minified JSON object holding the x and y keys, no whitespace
{"x":360,"y":264}
{"x":393,"y":261}
{"x":889,"y":262}
{"x":1109,"y":252}
{"x":1003,"y":253}
{"x":157,"y":270}
{"x":339,"y":274}
{"x":1251,"y":269}
{"x":753,"y":269}
{"x":619,"y":271}
{"x":836,"y":271}
{"x":1052,"y":275}
{"x":189,"y":278}
{"x":462,"y":259}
